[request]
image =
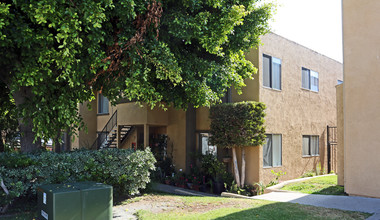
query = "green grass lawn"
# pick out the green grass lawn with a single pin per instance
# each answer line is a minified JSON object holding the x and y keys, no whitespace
{"x":229,"y":208}
{"x":325,"y":185}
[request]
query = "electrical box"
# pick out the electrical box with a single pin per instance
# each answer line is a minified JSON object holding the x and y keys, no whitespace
{"x":75,"y":201}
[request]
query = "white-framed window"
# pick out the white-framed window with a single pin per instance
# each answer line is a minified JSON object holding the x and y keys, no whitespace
{"x":102,"y":104}
{"x":205,"y":147}
{"x":310,"y":145}
{"x":272,"y":150}
{"x":271,"y":72}
{"x":310,"y":80}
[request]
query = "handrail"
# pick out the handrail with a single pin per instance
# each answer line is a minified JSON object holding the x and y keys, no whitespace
{"x":112,"y":122}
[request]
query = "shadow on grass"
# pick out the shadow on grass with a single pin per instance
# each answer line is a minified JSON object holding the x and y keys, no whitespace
{"x":285,"y":211}
{"x":332,"y":190}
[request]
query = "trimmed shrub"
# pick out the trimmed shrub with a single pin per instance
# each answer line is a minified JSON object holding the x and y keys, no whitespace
{"x":237,"y":124}
{"x":127,"y":171}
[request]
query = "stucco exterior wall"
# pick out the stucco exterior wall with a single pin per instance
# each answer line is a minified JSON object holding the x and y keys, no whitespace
{"x":86,"y":139}
{"x":176,"y":131}
{"x":202,"y":119}
{"x":251,"y":91}
{"x":340,"y":127}
{"x":361,"y":92}
{"x":294,"y":111}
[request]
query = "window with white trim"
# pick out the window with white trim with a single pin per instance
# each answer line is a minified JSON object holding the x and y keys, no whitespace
{"x":102,"y":104}
{"x":271,"y":72}
{"x":204,"y":145}
{"x":272,"y":150}
{"x":310,"y":145}
{"x":310,"y":80}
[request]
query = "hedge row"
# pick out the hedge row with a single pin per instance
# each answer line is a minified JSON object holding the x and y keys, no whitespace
{"x":126,"y":170}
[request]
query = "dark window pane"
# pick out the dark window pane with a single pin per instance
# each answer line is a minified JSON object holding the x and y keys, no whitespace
{"x":266,"y":71}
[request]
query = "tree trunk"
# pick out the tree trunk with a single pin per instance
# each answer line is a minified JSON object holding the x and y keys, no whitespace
{"x":27,"y":137}
{"x":57,"y":143}
{"x":242,"y":166}
{"x":25,"y":126}
{"x":2,"y":147}
{"x":236,"y":168}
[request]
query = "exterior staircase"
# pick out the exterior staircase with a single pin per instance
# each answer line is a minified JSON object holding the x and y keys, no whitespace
{"x":107,"y":138}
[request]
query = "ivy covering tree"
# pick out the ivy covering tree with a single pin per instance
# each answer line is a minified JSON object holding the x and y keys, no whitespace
{"x":54,"y":54}
{"x":237,"y":125}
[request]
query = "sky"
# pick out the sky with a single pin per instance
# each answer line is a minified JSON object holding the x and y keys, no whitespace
{"x":316,"y":24}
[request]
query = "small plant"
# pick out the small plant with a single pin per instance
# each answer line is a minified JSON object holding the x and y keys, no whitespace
{"x":246,"y":190}
{"x":276,"y":179}
{"x":308,"y":174}
{"x":260,"y":187}
{"x":168,"y":180}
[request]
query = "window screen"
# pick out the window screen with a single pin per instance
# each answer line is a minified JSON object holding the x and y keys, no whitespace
{"x":271,"y":72}
{"x":310,"y":80}
{"x":314,"y":81}
{"x":276,"y":73}
{"x":102,"y":104}
{"x":277,"y":151}
{"x":314,"y":145}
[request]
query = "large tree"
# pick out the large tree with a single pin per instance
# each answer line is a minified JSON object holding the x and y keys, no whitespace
{"x":54,"y":54}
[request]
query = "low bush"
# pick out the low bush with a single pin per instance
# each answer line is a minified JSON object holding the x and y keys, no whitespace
{"x":127,"y":171}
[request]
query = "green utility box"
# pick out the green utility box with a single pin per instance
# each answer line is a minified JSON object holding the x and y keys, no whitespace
{"x":82,"y":201}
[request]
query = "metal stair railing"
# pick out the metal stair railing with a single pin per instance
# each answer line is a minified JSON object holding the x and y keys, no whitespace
{"x":101,"y":140}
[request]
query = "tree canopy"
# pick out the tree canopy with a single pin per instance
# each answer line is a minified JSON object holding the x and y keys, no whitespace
{"x":55,"y":54}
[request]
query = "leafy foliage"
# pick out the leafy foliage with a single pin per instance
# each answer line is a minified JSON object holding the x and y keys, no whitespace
{"x":237,"y":124}
{"x":54,"y":54}
{"x":8,"y":119}
{"x":126,"y":170}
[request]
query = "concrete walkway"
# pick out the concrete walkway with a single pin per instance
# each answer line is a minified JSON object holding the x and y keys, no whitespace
{"x":351,"y":203}
{"x":179,"y":191}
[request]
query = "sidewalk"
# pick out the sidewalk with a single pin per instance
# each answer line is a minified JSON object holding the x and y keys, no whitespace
{"x":351,"y":203}
{"x":179,"y":191}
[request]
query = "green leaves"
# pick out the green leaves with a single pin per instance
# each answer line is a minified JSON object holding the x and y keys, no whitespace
{"x":61,"y":51}
{"x":126,"y":170}
{"x":237,"y":125}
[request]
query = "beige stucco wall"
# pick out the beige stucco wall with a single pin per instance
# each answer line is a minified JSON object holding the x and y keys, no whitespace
{"x":86,"y":139}
{"x":202,"y":119}
{"x":134,"y":114}
{"x":294,"y":111}
{"x":176,"y":131}
{"x":251,"y":91}
{"x":361,"y":92}
{"x":340,"y":127}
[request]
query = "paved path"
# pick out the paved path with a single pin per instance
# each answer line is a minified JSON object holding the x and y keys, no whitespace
{"x":351,"y":203}
{"x":179,"y":191}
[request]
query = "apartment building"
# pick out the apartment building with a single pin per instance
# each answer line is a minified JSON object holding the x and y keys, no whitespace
{"x":298,"y":87}
{"x":358,"y":105}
